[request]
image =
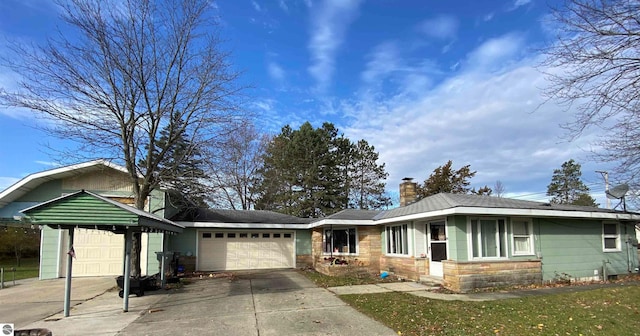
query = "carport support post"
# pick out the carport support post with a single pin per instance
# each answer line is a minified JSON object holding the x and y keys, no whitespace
{"x":163,"y":260}
{"x":127,"y":270}
{"x":67,"y":283}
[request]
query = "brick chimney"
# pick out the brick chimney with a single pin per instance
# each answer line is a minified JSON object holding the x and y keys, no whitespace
{"x":408,"y":191}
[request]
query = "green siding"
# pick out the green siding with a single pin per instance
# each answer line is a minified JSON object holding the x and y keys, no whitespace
{"x":303,"y":242}
{"x":83,"y":209}
{"x":154,"y":244}
{"x":457,"y":238}
{"x":49,"y":253}
{"x":575,"y":247}
{"x":184,"y":242}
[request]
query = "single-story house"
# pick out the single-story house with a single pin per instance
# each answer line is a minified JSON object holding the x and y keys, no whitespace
{"x":465,"y":241}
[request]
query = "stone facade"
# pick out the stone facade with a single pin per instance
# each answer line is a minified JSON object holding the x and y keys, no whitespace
{"x":466,"y":276}
{"x":369,"y":249}
{"x":304,"y":260}
{"x":405,"y":267}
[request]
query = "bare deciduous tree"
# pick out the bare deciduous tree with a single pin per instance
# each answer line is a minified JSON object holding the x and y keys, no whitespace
{"x":594,"y":68}
{"x":122,"y":71}
{"x":237,"y":162}
{"x":498,"y":189}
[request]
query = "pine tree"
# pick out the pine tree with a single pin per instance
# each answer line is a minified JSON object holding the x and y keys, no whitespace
{"x":566,"y":186}
{"x":445,"y":179}
{"x":367,"y":179}
{"x":316,"y":172}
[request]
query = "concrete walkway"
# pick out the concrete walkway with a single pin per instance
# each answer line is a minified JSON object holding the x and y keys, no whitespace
{"x":421,"y":290}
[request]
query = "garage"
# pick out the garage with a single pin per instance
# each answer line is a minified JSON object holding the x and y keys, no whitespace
{"x":247,"y":249}
{"x":97,"y":253}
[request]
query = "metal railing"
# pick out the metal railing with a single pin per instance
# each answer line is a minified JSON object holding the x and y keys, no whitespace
{"x":2,"y":274}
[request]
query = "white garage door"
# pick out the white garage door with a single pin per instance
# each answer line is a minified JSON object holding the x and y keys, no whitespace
{"x":97,"y":253}
{"x":219,"y":250}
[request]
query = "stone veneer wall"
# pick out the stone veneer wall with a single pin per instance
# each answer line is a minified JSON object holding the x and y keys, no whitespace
{"x":406,"y":267}
{"x":304,"y":260}
{"x":369,"y":249}
{"x":466,"y":276}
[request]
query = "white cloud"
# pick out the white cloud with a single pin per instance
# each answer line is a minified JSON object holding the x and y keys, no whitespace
{"x":482,"y":116}
{"x":329,"y":24}
{"x":283,"y":5}
{"x":6,"y":181}
{"x":440,"y":27}
{"x":382,"y":61}
{"x":496,"y":51}
{"x":49,"y":163}
{"x":256,"y":6}
{"x":275,"y":71}
{"x":519,"y":3}
{"x":488,"y":17}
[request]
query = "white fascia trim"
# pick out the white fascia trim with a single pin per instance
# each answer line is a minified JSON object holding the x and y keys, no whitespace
{"x":345,"y":222}
{"x":512,"y":212}
{"x":49,"y":175}
{"x":243,"y":225}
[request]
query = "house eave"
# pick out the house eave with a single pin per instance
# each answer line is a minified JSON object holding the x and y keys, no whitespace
{"x":214,"y":225}
{"x":512,"y":212}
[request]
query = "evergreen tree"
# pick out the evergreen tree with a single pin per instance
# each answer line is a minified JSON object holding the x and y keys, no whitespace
{"x":316,"y":172}
{"x":445,"y":179}
{"x":181,"y":169}
{"x":367,"y":179}
{"x":566,"y":186}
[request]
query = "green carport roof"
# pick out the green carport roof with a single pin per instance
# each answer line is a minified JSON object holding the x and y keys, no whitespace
{"x":84,"y":209}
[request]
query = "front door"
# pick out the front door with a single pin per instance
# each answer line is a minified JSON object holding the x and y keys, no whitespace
{"x":437,"y":246}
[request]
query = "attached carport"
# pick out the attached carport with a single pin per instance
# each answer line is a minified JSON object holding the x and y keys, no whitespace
{"x":86,"y":210}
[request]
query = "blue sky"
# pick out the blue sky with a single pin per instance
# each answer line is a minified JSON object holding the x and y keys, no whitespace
{"x":422,"y":81}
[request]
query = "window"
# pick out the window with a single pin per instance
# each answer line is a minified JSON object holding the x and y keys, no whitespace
{"x":255,"y":235}
{"x":397,"y":241}
{"x":219,"y":235}
{"x":206,"y":235}
{"x":340,"y":241}
{"x":522,"y":237}
{"x":488,"y":238}
{"x":610,"y":237}
{"x":243,"y":235}
{"x":231,"y":235}
{"x":276,"y":235}
{"x":287,"y":235}
{"x":266,"y":235}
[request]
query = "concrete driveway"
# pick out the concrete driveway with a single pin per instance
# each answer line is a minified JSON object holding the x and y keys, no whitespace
{"x":31,"y":300}
{"x":281,"y":302}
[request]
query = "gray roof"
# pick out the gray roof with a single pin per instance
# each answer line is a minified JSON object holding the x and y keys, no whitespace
{"x":447,"y":201}
{"x":238,"y":216}
{"x":353,"y":214}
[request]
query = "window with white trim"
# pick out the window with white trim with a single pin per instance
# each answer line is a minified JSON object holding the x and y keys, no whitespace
{"x":522,"y":234}
{"x":340,"y":241}
{"x":610,"y":237}
{"x":488,"y":238}
{"x":397,"y":240}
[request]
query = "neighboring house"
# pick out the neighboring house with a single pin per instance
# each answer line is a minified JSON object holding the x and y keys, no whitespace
{"x":466,"y":241}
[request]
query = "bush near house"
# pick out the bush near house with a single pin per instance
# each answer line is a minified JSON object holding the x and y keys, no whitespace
{"x":607,"y":311}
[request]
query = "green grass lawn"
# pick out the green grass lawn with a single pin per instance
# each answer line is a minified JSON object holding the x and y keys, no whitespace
{"x":608,"y":311}
{"x":322,"y":280}
{"x":28,"y":268}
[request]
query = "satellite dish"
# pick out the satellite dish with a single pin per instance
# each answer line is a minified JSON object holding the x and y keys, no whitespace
{"x":617,"y":192}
